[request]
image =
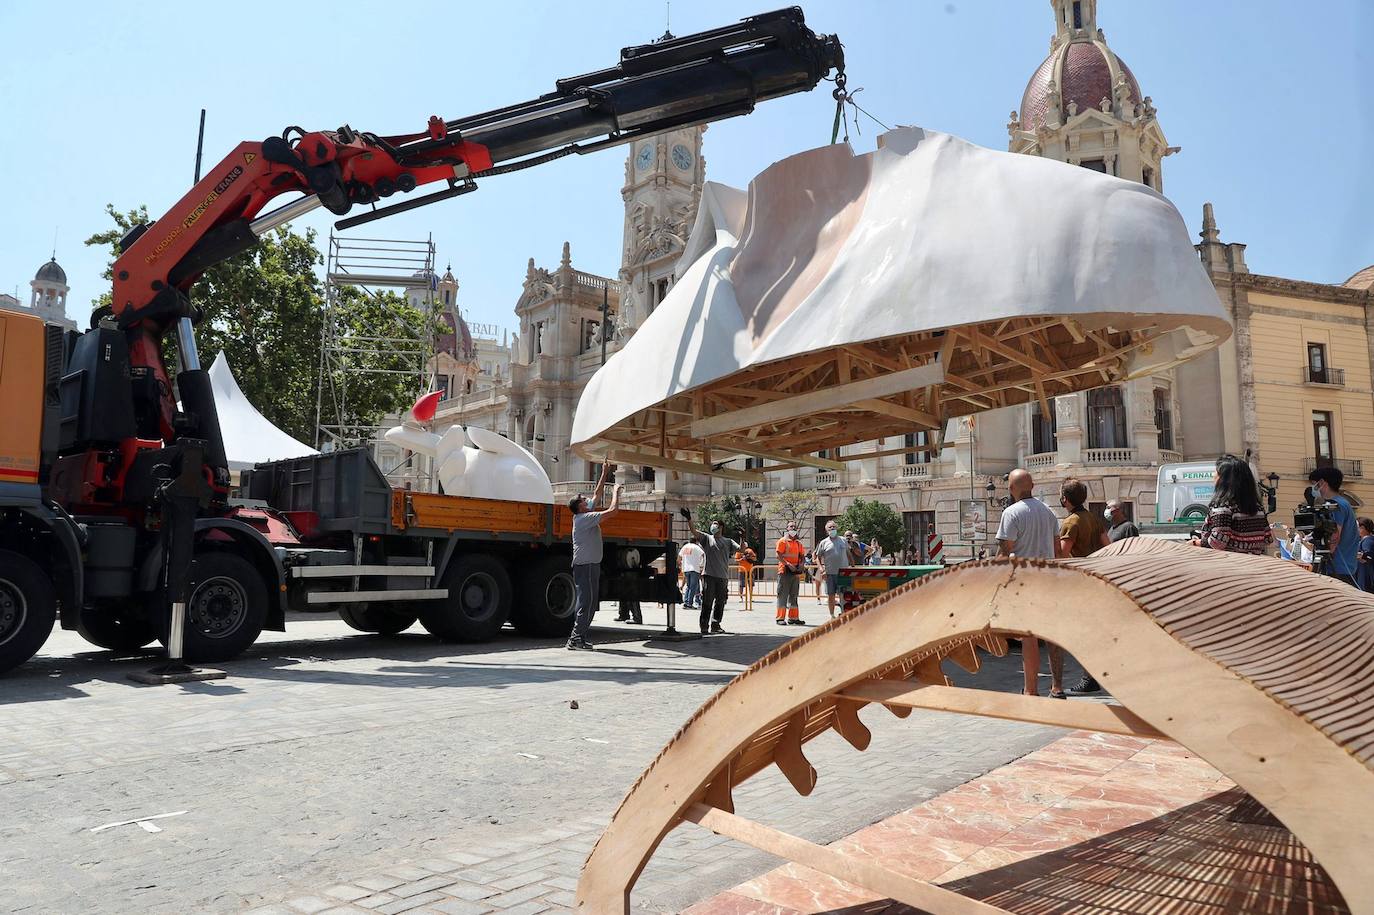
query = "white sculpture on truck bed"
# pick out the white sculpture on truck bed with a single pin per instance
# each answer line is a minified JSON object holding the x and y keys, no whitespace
{"x":474,"y":462}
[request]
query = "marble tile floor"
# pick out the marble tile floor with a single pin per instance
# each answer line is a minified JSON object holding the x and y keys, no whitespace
{"x":1091,"y":823}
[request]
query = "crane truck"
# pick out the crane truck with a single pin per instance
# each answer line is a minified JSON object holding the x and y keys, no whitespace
{"x":116,"y":514}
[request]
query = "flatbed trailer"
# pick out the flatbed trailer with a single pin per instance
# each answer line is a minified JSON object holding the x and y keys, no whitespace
{"x":383,"y":557}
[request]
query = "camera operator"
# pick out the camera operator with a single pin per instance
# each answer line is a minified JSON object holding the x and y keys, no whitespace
{"x":1345,"y":539}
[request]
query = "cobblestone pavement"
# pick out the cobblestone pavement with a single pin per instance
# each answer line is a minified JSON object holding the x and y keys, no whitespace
{"x":338,"y":771}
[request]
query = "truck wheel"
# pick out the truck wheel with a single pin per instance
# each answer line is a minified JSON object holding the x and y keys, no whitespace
{"x":28,"y":608}
{"x":478,"y":602}
{"x":226,"y":609}
{"x":545,"y":600}
{"x":104,"y":627}
{"x":381,"y":620}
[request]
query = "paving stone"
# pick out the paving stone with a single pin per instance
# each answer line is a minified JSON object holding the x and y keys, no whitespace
{"x":515,"y":897}
{"x":470,"y":891}
{"x":407,"y":890}
{"x":375,"y":901}
{"x":519,"y":880}
{"x":309,"y":904}
{"x":378,"y":884}
{"x":405,"y":905}
{"x":407,"y":872}
{"x":347,"y":892}
{"x":459,"y":907}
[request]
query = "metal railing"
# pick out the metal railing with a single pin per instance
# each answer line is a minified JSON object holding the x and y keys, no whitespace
{"x":1335,"y":377}
{"x":1350,"y":468}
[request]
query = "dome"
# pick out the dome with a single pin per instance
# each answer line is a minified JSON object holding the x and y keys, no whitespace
{"x":1082,"y":71}
{"x":457,"y":342}
{"x":1364,"y":279}
{"x":51,"y":273}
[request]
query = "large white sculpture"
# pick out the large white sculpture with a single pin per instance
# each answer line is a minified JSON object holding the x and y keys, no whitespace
{"x":478,"y":462}
{"x":850,"y":297}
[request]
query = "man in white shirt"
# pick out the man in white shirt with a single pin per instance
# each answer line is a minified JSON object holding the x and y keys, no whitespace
{"x":691,"y":559}
{"x":1028,"y":530}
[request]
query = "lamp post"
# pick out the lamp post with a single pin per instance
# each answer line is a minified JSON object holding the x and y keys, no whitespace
{"x":1271,"y":491}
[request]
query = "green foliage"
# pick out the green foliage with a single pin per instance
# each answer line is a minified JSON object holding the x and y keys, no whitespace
{"x":734,"y":519}
{"x":874,"y":521}
{"x":264,"y":309}
{"x":799,"y":505}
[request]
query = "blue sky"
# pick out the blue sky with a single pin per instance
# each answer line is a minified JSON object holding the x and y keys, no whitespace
{"x":1271,"y":102}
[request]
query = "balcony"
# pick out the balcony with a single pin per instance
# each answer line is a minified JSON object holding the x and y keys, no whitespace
{"x":914,"y":472}
{"x":828,"y":479}
{"x":1334,"y":378}
{"x":1170,"y":457}
{"x":1344,"y":465}
{"x":1110,"y":456}
{"x":1041,"y":461}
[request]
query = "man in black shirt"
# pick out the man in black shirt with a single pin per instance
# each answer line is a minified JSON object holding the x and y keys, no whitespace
{"x":1121,"y":527}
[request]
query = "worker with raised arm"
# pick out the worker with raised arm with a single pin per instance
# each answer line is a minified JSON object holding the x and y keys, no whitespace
{"x":586,"y":557}
{"x":715,"y":587}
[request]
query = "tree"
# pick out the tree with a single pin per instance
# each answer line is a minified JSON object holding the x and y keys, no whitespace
{"x":875,"y":522}
{"x":799,"y":505}
{"x":264,"y":309}
{"x":733,"y":518}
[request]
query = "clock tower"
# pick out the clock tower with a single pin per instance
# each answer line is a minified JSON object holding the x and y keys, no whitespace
{"x":663,"y":179}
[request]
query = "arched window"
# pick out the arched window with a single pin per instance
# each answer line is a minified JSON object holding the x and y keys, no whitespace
{"x":1106,"y":418}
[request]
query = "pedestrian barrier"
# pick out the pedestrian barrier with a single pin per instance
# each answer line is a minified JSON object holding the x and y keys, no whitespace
{"x":1256,"y":666}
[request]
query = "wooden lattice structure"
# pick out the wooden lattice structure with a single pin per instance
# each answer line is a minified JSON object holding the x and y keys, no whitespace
{"x":1261,"y":669}
{"x":789,"y":409}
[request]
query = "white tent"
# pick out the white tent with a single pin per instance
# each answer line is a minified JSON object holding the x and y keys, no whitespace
{"x":249,"y":438}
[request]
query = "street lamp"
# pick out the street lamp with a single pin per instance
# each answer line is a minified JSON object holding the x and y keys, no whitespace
{"x":1271,"y":491}
{"x":1003,"y":502}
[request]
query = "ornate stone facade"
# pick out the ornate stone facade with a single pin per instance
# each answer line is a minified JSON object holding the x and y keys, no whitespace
{"x":48,"y":296}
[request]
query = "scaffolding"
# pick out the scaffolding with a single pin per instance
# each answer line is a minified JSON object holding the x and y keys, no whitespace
{"x":349,"y":357}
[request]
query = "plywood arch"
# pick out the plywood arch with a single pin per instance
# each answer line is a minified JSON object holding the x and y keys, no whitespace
{"x":1259,"y":668}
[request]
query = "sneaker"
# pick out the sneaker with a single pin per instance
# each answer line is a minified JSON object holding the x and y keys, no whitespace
{"x":1085,"y":686}
{"x":717,"y":630}
{"x":622,"y":618}
{"x":580,"y":645}
{"x":781,"y":622}
{"x":797,"y":622}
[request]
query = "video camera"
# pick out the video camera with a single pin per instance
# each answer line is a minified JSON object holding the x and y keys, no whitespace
{"x":1316,"y":520}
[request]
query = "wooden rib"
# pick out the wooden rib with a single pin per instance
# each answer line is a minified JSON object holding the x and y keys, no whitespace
{"x":1009,"y":352}
{"x":924,"y":896}
{"x":1091,"y":716}
{"x":718,"y":794}
{"x":786,"y":457}
{"x":919,"y":417}
{"x":650,"y":459}
{"x":848,"y":725}
{"x":788,"y":756}
{"x":964,"y":655}
{"x":816,"y":401}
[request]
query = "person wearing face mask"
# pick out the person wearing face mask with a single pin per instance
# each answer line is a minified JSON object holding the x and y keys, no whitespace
{"x":833,"y":555}
{"x":1345,"y":540}
{"x":791,"y":562}
{"x":715,"y":583}
{"x":1119,"y":527}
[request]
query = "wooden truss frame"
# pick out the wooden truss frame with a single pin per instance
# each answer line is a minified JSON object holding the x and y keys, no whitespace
{"x":789,"y":409}
{"x":1261,"y":669}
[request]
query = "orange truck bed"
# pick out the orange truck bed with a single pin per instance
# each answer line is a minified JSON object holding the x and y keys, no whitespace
{"x":452,"y":513}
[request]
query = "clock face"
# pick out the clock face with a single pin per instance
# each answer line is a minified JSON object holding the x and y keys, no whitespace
{"x":645,"y":157}
{"x":682,"y":157}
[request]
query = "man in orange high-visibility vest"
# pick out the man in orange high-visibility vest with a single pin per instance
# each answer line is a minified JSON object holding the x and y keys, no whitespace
{"x":791,"y":562}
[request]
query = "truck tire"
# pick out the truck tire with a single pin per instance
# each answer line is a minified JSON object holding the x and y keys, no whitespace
{"x":28,"y":609}
{"x":106,"y":628}
{"x":478,"y":602}
{"x":226,"y":609}
{"x":381,"y":620}
{"x":545,"y":600}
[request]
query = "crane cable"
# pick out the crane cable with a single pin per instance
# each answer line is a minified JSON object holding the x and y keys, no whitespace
{"x":843,"y":96}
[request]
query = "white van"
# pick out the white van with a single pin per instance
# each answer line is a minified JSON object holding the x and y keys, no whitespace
{"x":1183,"y":492}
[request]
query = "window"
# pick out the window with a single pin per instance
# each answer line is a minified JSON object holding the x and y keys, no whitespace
{"x":646,"y":474}
{"x":1106,"y":418}
{"x":1147,"y":176}
{"x":1078,"y":14}
{"x":593,"y":471}
{"x":444,"y":387}
{"x":661,"y":291}
{"x":1316,"y":363}
{"x":1043,"y":430}
{"x":1096,"y":165}
{"x":1323,"y":438}
{"x":916,"y":440}
{"x":753,"y":463}
{"x":1164,"y":419}
{"x":589,"y":329}
{"x":447,"y":293}
{"x":829,"y":454}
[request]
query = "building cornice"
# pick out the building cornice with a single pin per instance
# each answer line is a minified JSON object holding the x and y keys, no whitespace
{"x":1326,"y":292}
